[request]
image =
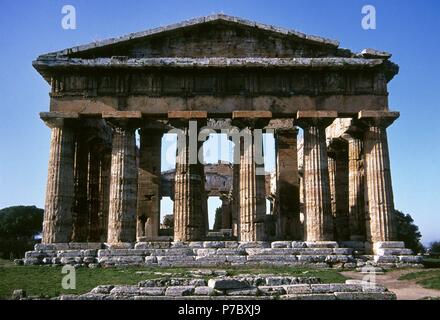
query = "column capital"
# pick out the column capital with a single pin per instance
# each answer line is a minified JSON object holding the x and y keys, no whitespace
{"x":315,"y":118}
{"x":123,"y":119}
{"x":378,"y":118}
{"x":251,"y":119}
{"x":58,"y":119}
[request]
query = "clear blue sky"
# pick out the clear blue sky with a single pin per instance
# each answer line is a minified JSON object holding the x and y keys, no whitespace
{"x":408,"y":29}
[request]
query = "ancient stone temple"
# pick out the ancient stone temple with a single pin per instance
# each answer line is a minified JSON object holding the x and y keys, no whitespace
{"x":228,"y":75}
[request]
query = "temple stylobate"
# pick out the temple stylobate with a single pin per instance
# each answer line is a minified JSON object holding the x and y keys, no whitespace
{"x":228,"y":75}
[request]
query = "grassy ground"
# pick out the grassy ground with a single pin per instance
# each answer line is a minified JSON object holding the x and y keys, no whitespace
{"x":45,"y":281}
{"x":428,"y":279}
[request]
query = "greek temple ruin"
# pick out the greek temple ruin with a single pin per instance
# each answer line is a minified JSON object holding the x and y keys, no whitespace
{"x":326,"y":106}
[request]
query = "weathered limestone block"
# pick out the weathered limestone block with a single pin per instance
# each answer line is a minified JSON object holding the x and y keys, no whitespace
{"x":230,"y":251}
{"x":254,"y":244}
{"x":386,"y":259}
{"x":243,"y":292}
{"x":173,"y":252}
{"x":272,"y":258}
{"x":152,"y":291}
{"x":272,"y":290}
{"x":270,"y":251}
{"x":298,"y":244}
{"x":297,"y":288}
{"x":227,"y":284}
{"x":322,"y":244}
{"x":389,"y":244}
{"x":123,"y":185}
{"x":152,"y":245}
{"x":180,"y":291}
{"x":214,"y":244}
{"x":205,"y":291}
{"x":410,"y":259}
{"x":211,"y":260}
{"x":205,"y":252}
{"x":393,"y":251}
{"x":124,"y":290}
{"x":236,"y":260}
{"x":102,"y":289}
{"x":281,"y":244}
{"x":324,"y":296}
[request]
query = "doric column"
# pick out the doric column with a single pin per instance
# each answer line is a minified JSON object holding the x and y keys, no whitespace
{"x":252,"y":175}
{"x":148,"y":206}
{"x":318,"y":215}
{"x":93,"y":193}
{"x":226,"y":211}
{"x":378,"y":175}
{"x":58,"y":218}
{"x":356,"y":203}
{"x":189,"y":209}
{"x":123,"y":179}
{"x":81,"y":210}
{"x":235,"y":194}
{"x":287,"y":184}
{"x":105,"y":192}
{"x":338,"y":174}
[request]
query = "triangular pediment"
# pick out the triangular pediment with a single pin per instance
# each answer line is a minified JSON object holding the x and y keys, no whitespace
{"x":212,"y":36}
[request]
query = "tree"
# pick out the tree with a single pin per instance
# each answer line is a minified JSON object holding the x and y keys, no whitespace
{"x":218,"y":218}
{"x":19,"y":226}
{"x":168,"y":221}
{"x":434,"y":248}
{"x":408,"y":232}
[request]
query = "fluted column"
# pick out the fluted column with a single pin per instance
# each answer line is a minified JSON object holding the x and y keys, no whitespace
{"x":287,"y":201}
{"x":189,"y":210}
{"x":123,"y":184}
{"x":105,"y":192}
{"x":58,"y":218}
{"x":252,"y":187}
{"x":318,"y":214}
{"x":81,"y":210}
{"x":378,"y":175}
{"x":93,"y":193}
{"x":148,"y":203}
{"x":356,"y":203}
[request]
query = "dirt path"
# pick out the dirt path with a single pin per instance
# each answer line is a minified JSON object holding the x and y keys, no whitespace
{"x":404,"y":289}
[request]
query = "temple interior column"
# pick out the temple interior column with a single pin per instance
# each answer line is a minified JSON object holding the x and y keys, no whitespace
{"x":58,"y":217}
{"x":189,"y":209}
{"x":356,"y":203}
{"x":226,"y":211}
{"x":93,"y":194}
{"x":148,"y":206}
{"x":105,"y":192}
{"x":318,"y":214}
{"x":378,"y":175}
{"x":287,"y":201}
{"x":123,"y":183}
{"x":81,"y":210}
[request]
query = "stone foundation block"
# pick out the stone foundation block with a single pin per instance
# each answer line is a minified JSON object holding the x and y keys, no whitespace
{"x":269,"y":251}
{"x":324,"y":296}
{"x":152,"y":245}
{"x":84,"y":246}
{"x":385,"y":259}
{"x":196,"y":244}
{"x":122,"y":245}
{"x":242,"y":292}
{"x":256,"y":244}
{"x":125,"y":290}
{"x":337,"y":258}
{"x":211,"y":260}
{"x":152,"y":291}
{"x":227,"y":284}
{"x":180,"y":291}
{"x":389,"y":244}
{"x":214,"y":244}
{"x":231,"y":251}
{"x":311,"y":258}
{"x":102,"y":289}
{"x":236,"y":259}
{"x":281,"y":244}
{"x":321,"y":244}
{"x":315,"y":251}
{"x":70,"y":253}
{"x":150,"y":260}
{"x":272,"y":290}
{"x":346,"y":251}
{"x":297,"y":288}
{"x":410,"y":259}
{"x":298,"y":244}
{"x":271,"y":258}
{"x":393,"y":251}
{"x":231,"y":244}
{"x":205,"y":252}
{"x":205,"y":291}
{"x":174,"y":252}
